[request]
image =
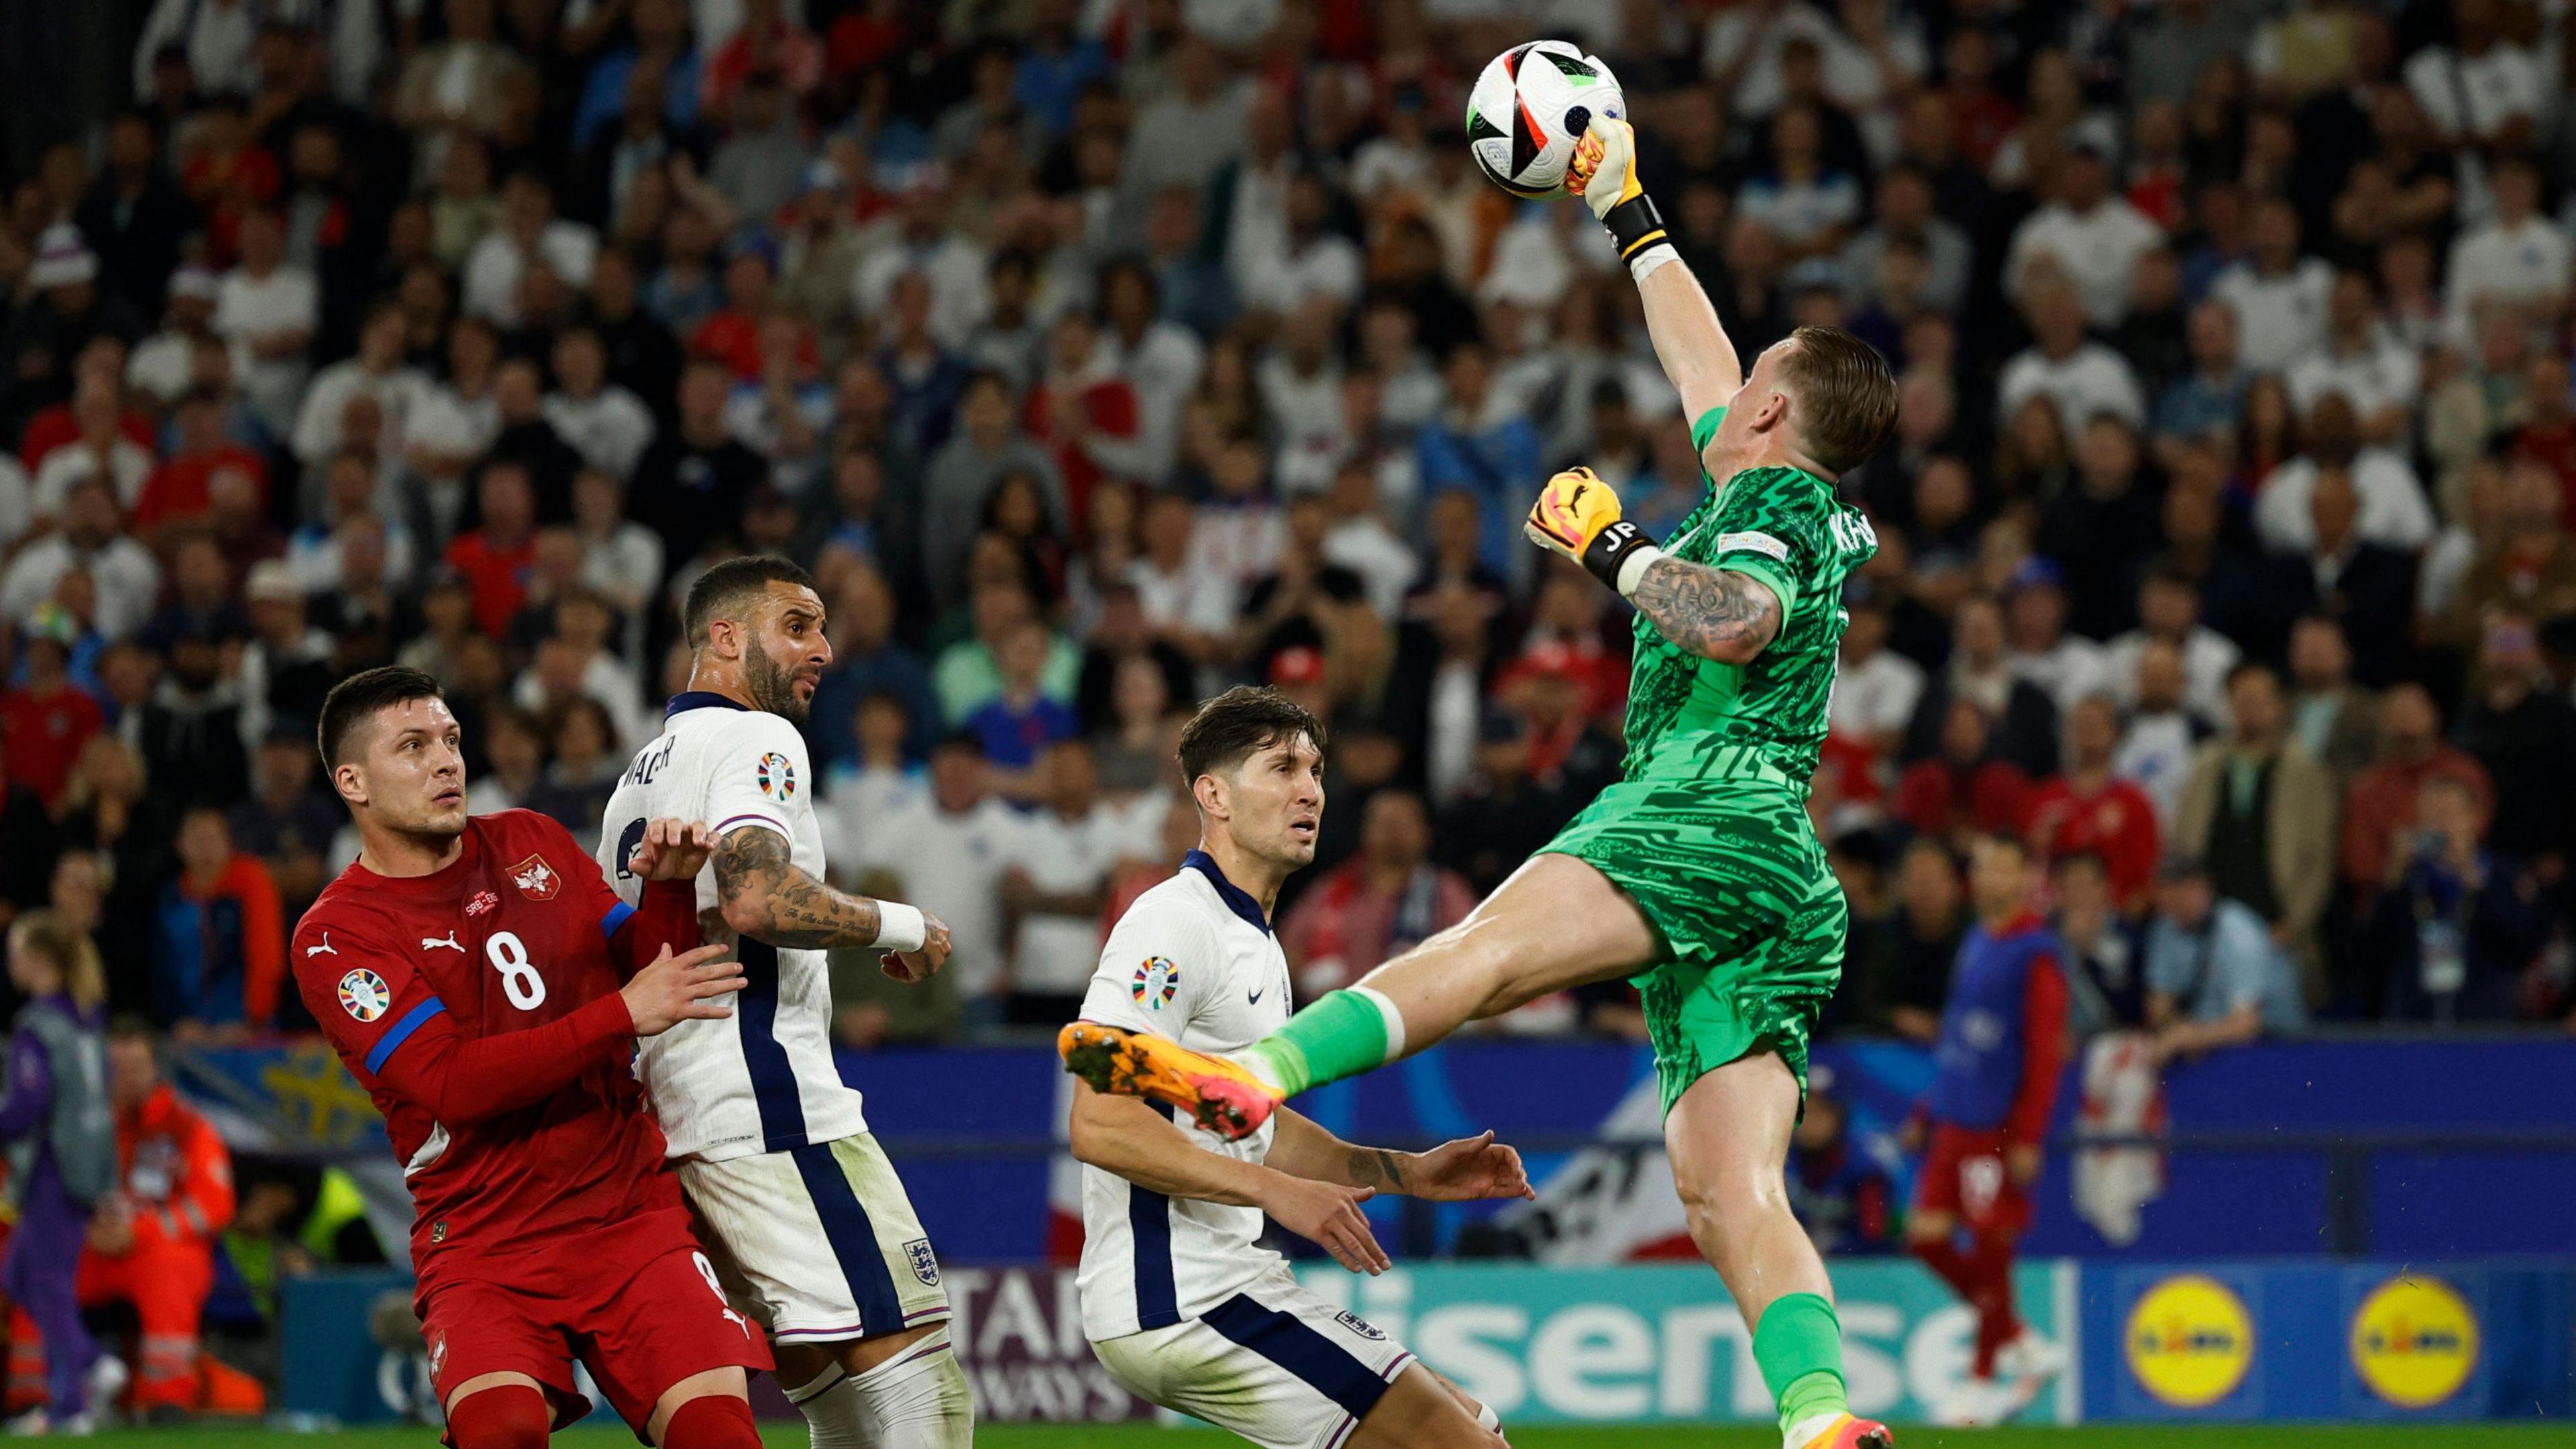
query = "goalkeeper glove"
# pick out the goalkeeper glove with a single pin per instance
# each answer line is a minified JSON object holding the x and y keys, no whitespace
{"x":1577,"y":515}
{"x":1604,"y":173}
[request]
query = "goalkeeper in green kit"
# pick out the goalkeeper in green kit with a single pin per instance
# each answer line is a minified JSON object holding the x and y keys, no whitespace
{"x":1698,"y":875}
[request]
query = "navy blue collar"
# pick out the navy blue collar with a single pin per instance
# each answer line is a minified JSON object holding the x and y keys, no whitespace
{"x":1235,"y":897}
{"x":700,"y":699}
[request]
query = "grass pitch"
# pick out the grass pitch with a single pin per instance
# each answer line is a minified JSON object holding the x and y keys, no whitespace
{"x":1729,"y":1436}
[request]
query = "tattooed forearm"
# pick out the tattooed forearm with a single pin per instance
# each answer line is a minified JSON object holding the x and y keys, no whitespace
{"x":1376,"y":1167}
{"x":1714,"y":613}
{"x":766,"y":897}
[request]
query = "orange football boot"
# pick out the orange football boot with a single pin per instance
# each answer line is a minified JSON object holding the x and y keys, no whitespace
{"x":1221,"y":1097}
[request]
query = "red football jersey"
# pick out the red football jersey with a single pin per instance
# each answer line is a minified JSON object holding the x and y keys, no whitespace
{"x":512,"y":936}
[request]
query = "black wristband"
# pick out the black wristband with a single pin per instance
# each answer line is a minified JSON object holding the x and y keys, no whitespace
{"x":1612,"y":547}
{"x":1634,"y":225}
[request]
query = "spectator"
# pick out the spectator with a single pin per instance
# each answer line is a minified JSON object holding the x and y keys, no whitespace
{"x":181,"y":490}
{"x":46,"y":720}
{"x":1056,"y":882}
{"x":2379,"y":804}
{"x":134,"y":217}
{"x":152,"y":1245}
{"x":605,"y":423}
{"x":1876,"y":689}
{"x":950,"y":853}
{"x":2391,"y":502}
{"x":2363,"y":362}
{"x":288,"y":822}
{"x":691,"y":483}
{"x":2518,"y":730}
{"x":2169,"y":613}
{"x":2334,"y":719}
{"x":2518,"y":257}
{"x":268,"y":311}
{"x":587,"y":757}
{"x":2019,"y":714}
{"x":2093,"y":234}
{"x":1470,"y":449}
{"x":1906,"y":977}
{"x":121,"y":571}
{"x":497,"y":557}
{"x":2090,"y":811}
{"x":2215,"y":978}
{"x":2068,"y":666}
{"x":1021,"y":723}
{"x":1905,"y":213}
{"x":876,"y":778}
{"x":1965,"y":788}
{"x":2203,"y":404}
{"x":219,"y":939}
{"x":2080,"y":378}
{"x":2531,"y":574}
{"x":379,"y":371}
{"x":2258,"y":811}
{"x":189,"y":731}
{"x":2105,"y":959}
{"x":1378,"y":904}
{"x":2279,"y":295}
{"x":285,"y":669}
{"x":867,"y":659}
{"x":99,"y":449}
{"x":2457,"y":923}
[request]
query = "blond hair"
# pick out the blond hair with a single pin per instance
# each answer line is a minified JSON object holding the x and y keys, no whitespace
{"x":74,"y":954}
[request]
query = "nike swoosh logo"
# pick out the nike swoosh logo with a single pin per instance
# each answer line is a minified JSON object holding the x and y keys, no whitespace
{"x":1254,"y":997}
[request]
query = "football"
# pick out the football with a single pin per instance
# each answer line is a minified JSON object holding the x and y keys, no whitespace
{"x":1533,"y":102}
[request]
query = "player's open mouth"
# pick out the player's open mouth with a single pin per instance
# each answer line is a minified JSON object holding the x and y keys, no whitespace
{"x":448,"y":797}
{"x":1302,"y":828}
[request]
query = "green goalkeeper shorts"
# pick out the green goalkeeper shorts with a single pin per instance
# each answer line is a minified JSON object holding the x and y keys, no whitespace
{"x":1727,"y":868}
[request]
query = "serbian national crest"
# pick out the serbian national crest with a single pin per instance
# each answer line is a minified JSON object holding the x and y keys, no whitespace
{"x":777,"y":777}
{"x":364,"y":995}
{"x":1157,"y":982}
{"x":535,"y":879}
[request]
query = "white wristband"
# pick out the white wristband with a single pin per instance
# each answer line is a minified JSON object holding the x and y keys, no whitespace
{"x":900,"y":927}
{"x":1632,"y":569}
{"x":1645,"y":262}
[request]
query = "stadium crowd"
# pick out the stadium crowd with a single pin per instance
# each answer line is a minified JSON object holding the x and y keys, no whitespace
{"x":1095,"y":354}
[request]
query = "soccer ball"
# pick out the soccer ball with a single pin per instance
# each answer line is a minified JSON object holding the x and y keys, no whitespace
{"x":1530,"y":106}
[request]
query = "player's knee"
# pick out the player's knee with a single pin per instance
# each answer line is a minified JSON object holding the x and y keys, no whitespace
{"x":506,"y":1416}
{"x":711,"y":1421}
{"x":919,"y":1399}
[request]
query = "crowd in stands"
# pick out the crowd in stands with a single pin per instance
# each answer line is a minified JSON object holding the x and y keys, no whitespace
{"x":1095,"y":354}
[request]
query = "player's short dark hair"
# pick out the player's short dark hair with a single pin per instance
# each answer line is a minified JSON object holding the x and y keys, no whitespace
{"x":727,"y":587}
{"x":1846,"y":396}
{"x":1239,"y":723}
{"x":355,"y":700}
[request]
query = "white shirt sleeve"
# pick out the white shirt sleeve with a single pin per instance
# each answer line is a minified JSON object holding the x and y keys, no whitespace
{"x":759,"y":777}
{"x":1159,"y":964}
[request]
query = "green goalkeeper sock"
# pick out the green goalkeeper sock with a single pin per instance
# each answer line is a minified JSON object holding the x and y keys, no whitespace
{"x":1343,"y":1035}
{"x":1799,"y":1348}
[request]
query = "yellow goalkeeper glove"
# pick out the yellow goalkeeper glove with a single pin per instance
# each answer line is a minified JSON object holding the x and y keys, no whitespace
{"x":1577,"y":515}
{"x":1604,"y":173}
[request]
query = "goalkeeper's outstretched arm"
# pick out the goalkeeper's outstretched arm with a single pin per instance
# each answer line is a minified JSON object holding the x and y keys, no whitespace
{"x":1698,"y":357}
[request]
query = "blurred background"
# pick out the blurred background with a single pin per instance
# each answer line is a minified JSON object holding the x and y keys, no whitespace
{"x":1098,"y":354}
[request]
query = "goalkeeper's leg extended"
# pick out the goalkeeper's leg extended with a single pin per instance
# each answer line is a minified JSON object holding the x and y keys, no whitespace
{"x":1557,"y":923}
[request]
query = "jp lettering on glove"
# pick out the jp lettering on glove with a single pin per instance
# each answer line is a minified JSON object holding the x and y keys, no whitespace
{"x":1577,"y":515}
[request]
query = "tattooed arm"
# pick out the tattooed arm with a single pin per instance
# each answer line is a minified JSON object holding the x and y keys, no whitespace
{"x":765,"y":896}
{"x":1711,"y":612}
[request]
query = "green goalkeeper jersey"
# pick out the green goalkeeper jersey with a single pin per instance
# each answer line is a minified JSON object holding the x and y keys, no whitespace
{"x":1786,"y":528}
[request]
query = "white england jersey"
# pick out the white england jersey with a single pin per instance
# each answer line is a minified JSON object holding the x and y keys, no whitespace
{"x":1192,"y":960}
{"x":762,"y":1079}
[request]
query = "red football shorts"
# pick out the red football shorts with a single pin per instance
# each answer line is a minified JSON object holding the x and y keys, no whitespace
{"x":637,"y":1330}
{"x":1964,"y":1174}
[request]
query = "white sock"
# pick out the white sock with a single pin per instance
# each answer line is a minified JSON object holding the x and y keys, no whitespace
{"x":1486,"y":1416}
{"x":1387,"y":1013}
{"x":919,"y":1399}
{"x":1801,"y":1433}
